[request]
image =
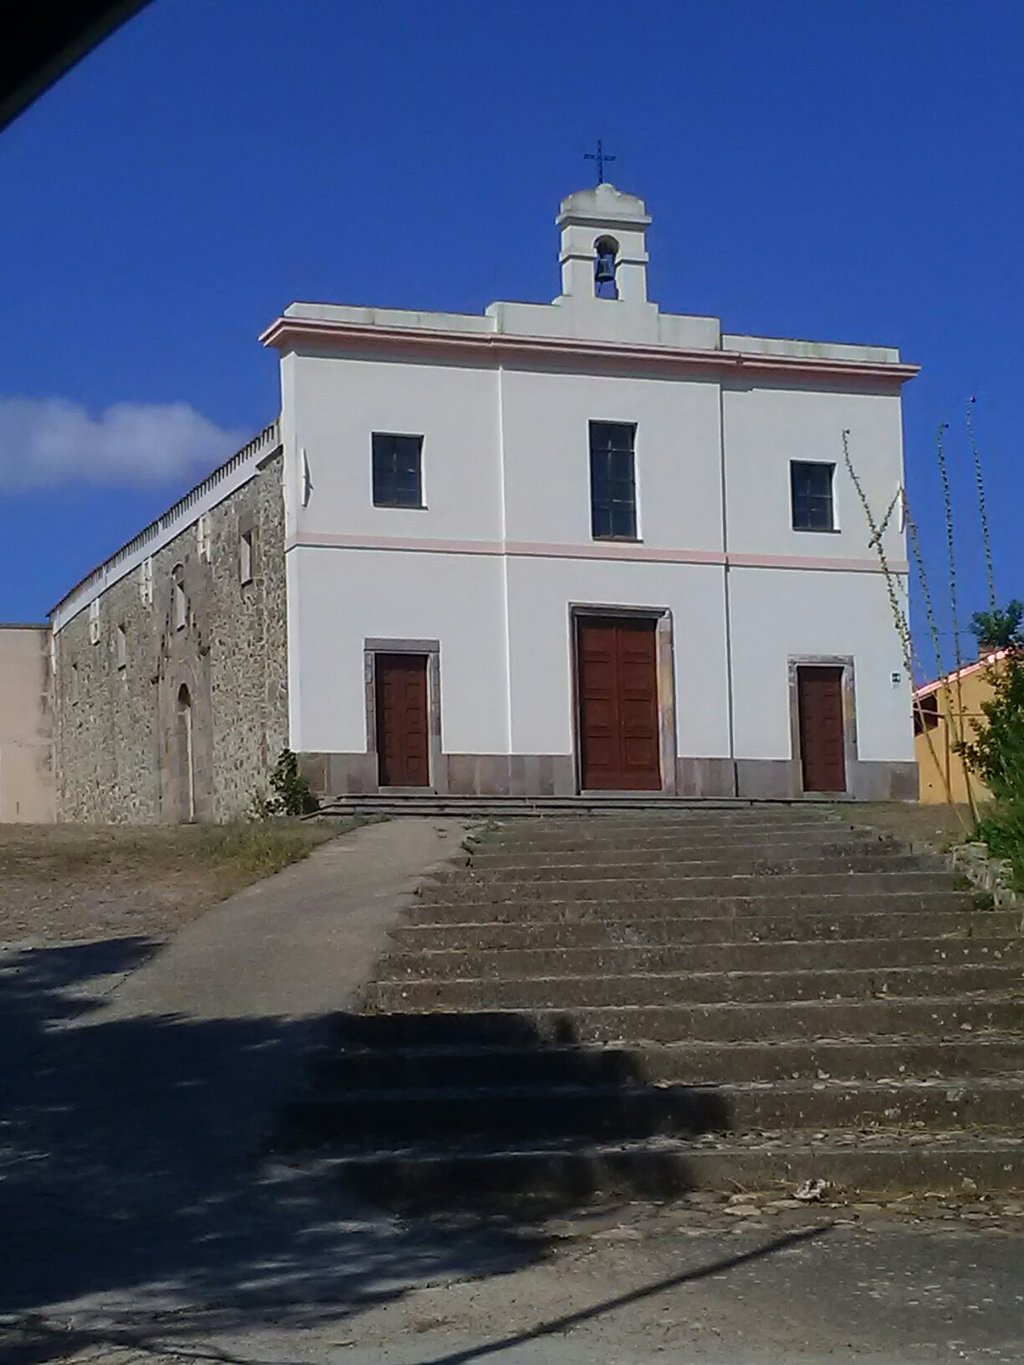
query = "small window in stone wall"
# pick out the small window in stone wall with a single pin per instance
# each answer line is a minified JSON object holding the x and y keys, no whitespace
{"x":179,"y":602}
{"x":94,"y":622}
{"x":246,"y":556}
{"x":204,"y":538}
{"x":74,"y":685}
{"x":146,"y":582}
{"x":121,"y":648}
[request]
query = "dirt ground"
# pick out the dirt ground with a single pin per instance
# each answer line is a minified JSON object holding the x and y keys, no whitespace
{"x":73,"y":882}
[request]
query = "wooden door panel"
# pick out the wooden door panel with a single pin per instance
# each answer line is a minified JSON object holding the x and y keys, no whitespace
{"x":822,"y":728}
{"x":618,"y":705}
{"x":403,"y":729}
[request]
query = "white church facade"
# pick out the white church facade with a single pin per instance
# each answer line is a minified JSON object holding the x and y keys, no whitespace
{"x":584,"y":546}
{"x":589,"y":545}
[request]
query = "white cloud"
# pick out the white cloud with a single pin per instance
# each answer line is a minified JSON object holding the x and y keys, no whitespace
{"x":48,"y":442}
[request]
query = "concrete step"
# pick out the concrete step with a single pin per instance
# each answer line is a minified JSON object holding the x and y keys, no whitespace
{"x":565,"y":809}
{"x":561,"y":1174}
{"x":645,"y":1001}
{"x":625,"y":959}
{"x":835,"y":867}
{"x":441,"y":891}
{"x":652,"y":988}
{"x":590,"y":931}
{"x":630,"y":1110}
{"x":508,"y":1114}
{"x":629,"y":813}
{"x":829,"y":1059}
{"x":949,"y":1017}
{"x":556,"y":836}
{"x":674,"y":853}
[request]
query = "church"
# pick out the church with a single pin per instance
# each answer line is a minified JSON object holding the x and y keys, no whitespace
{"x":553,"y":549}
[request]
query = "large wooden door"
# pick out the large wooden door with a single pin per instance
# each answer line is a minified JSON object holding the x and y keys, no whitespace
{"x":403,"y":732}
{"x":822,"y":731}
{"x":618,"y":704}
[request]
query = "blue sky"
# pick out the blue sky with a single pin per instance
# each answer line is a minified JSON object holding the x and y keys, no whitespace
{"x":846,"y":172}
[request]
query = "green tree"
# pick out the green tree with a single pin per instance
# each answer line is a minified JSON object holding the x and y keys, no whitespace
{"x":996,"y":753}
{"x":1000,"y":628}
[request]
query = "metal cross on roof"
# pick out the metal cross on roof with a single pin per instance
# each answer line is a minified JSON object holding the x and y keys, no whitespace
{"x":601,"y":157}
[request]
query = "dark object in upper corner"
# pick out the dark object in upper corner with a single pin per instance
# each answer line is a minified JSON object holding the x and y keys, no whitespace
{"x":42,"y":41}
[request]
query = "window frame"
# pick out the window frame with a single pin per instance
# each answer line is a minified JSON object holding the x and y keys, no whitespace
{"x":379,"y":489}
{"x":179,"y":598}
{"x":809,"y":498}
{"x":246,"y":555}
{"x":927,"y":714}
{"x":120,"y":647}
{"x":608,"y":504}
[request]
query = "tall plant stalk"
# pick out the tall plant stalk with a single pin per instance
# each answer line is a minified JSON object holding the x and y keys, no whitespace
{"x":900,"y":615}
{"x":979,"y":480}
{"x":947,"y":507}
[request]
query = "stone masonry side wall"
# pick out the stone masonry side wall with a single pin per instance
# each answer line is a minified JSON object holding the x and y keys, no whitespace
{"x":249,"y":658}
{"x":120,"y":731}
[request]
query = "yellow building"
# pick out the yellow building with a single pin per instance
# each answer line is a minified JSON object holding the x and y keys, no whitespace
{"x":943,"y":711}
{"x":26,"y":725}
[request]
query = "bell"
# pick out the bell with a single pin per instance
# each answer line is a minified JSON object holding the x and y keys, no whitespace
{"x":604,"y":270}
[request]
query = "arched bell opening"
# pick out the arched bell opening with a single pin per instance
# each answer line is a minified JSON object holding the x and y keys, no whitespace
{"x":606,"y":257}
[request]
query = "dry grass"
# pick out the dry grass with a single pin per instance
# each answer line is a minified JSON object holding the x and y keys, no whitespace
{"x":941,"y":826}
{"x":84,"y":881}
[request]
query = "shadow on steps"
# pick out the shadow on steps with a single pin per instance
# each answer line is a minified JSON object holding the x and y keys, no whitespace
{"x":432,"y":1111}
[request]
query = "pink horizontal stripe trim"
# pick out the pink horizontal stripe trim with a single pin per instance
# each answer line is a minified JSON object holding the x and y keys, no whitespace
{"x":324,"y":540}
{"x":285,"y":332}
{"x":529,"y":549}
{"x":741,"y":561}
{"x":611,"y":551}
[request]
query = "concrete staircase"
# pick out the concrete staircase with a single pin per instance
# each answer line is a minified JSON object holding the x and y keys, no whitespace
{"x":647,"y":1003}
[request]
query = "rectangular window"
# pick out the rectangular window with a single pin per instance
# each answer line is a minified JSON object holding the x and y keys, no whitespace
{"x":179,"y":602}
{"x":204,"y":538}
{"x":811,"y":488}
{"x":146,"y":582}
{"x":397,"y":470}
{"x":74,"y":685}
{"x":926,"y":713}
{"x":121,"y":648}
{"x":612,"y":481}
{"x":246,"y":556}
{"x":94,"y":622}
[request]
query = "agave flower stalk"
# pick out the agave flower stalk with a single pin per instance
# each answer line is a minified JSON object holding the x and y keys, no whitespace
{"x":900,"y":616}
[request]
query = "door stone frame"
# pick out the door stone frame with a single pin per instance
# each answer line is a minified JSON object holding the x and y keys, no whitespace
{"x":431,"y":649}
{"x":849,"y":699}
{"x":665,"y":676}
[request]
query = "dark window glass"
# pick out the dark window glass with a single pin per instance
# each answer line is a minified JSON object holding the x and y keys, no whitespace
{"x":926,"y":713}
{"x":396,"y":470}
{"x":812,"y":496}
{"x":612,"y":482}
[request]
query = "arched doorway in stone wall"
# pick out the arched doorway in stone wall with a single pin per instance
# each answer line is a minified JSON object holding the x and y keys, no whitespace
{"x":186,"y":775}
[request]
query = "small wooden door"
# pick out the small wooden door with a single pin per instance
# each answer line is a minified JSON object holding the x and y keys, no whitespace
{"x":618,"y":704}
{"x":822,"y":731}
{"x":403,"y":731}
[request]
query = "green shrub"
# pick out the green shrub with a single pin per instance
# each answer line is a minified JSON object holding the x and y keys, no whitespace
{"x":289,"y":791}
{"x":996,"y":754}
